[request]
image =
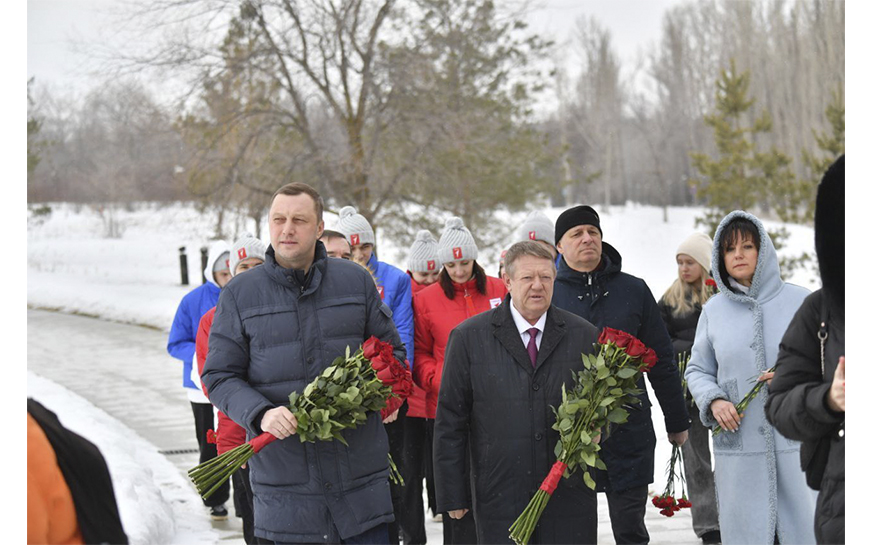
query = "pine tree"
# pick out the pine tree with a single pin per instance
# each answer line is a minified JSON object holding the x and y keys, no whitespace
{"x":741,"y":177}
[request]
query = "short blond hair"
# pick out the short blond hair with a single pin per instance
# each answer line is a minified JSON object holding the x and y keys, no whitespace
{"x":520,"y":249}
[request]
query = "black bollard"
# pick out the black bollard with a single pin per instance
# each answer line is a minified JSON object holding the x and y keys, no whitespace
{"x":183,"y":262}
{"x":204,"y":259}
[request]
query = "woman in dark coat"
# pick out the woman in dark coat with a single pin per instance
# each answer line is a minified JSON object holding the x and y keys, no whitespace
{"x":680,"y":308}
{"x":807,"y":396}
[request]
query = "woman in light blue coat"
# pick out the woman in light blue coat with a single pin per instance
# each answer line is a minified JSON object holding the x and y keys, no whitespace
{"x":760,"y":487}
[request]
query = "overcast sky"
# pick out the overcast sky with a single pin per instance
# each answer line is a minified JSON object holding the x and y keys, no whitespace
{"x":54,"y":25}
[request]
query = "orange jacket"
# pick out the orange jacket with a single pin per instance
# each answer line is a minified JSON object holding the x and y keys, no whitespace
{"x":435,"y":317}
{"x":51,"y":514}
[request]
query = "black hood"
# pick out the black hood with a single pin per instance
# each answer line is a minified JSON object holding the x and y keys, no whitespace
{"x":829,"y":234}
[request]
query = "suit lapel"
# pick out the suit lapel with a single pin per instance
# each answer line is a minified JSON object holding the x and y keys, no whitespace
{"x":507,"y":334}
{"x":555,"y":329}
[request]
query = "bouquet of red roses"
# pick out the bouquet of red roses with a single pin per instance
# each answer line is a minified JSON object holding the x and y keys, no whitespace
{"x":602,"y":388}
{"x":371,"y":379}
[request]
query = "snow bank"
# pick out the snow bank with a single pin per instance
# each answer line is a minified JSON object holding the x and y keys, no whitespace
{"x":155,"y":503}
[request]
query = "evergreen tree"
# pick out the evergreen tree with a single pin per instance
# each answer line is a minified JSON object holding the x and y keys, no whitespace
{"x":743,"y":178}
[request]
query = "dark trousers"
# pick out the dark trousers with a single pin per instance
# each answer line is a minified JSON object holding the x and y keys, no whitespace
{"x":700,"y":479}
{"x":415,"y":449}
{"x":373,"y":536}
{"x":395,"y":445}
{"x":204,"y":420}
{"x":627,"y":514}
{"x":243,"y":502}
{"x":428,"y":465}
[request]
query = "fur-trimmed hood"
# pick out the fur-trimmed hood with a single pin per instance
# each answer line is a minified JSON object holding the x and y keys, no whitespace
{"x":767,"y":280}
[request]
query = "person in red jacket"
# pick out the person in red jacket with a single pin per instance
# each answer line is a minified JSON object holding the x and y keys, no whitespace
{"x":246,"y":253}
{"x":463,"y":290}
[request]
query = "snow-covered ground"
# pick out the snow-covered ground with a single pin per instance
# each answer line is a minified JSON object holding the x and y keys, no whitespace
{"x":134,"y":279}
{"x":72,"y":267}
{"x":155,"y":502}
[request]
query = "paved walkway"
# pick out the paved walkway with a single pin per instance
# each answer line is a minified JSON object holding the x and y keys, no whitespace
{"x":126,"y":371}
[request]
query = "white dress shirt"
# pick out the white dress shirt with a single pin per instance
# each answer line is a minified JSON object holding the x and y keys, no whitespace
{"x":523,"y":325}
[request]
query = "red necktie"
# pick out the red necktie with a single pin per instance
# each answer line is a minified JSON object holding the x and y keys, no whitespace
{"x":532,"y":350}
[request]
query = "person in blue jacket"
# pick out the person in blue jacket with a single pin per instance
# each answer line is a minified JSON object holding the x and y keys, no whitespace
{"x":395,"y":289}
{"x":182,"y":345}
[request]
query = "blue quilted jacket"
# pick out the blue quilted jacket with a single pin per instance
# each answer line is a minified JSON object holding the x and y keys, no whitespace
{"x":272,"y":336}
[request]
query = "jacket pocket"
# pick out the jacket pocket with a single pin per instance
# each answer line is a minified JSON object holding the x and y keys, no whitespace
{"x":727,"y":440}
{"x":283,"y":463}
{"x":271,"y":326}
{"x":367,"y":452}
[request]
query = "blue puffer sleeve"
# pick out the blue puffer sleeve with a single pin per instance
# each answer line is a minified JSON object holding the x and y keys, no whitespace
{"x":181,"y":342}
{"x":403,"y":317}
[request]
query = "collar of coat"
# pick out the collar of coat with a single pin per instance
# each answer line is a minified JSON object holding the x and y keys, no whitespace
{"x":294,"y":278}
{"x":507,"y":334}
{"x":610,"y":264}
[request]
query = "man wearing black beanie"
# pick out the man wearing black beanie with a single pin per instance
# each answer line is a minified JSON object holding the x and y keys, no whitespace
{"x":590,"y":283}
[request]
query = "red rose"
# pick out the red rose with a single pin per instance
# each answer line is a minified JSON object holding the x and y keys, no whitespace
{"x":711,"y":282}
{"x":371,"y":347}
{"x":211,"y":437}
{"x":378,"y":363}
{"x":670,"y":501}
{"x":684,"y":504}
{"x":649,"y":358}
{"x":607,"y":335}
{"x":386,"y":351}
{"x":636,"y":348}
{"x":623,"y":339}
{"x":656,"y":501}
{"x":386,"y":375}
{"x":667,"y":512}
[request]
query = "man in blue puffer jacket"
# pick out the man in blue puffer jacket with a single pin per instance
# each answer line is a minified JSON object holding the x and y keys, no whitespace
{"x":276,"y":328}
{"x":395,"y":289}
{"x":182,"y":345}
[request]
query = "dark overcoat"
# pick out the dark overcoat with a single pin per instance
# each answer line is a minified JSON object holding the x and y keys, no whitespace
{"x":495,"y":408}
{"x":608,"y":297}
{"x":797,"y":406}
{"x":271,"y":336}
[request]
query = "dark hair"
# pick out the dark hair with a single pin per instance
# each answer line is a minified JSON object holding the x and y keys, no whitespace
{"x":738,"y":229}
{"x":330,"y":234}
{"x":298,"y":188}
{"x":523,"y":248}
{"x":477,"y":273}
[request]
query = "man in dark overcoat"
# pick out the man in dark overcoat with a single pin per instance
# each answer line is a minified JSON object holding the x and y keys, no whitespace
{"x":504,"y":370}
{"x":590,"y":284}
{"x":276,"y":328}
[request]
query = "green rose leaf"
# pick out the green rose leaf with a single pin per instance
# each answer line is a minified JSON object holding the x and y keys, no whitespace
{"x":588,"y":480}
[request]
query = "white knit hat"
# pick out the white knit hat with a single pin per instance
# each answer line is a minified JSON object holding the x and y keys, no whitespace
{"x":424,"y":253}
{"x":699,"y":247}
{"x":456,"y":242}
{"x":244,"y":248}
{"x":537,"y":226}
{"x":355,"y":227}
